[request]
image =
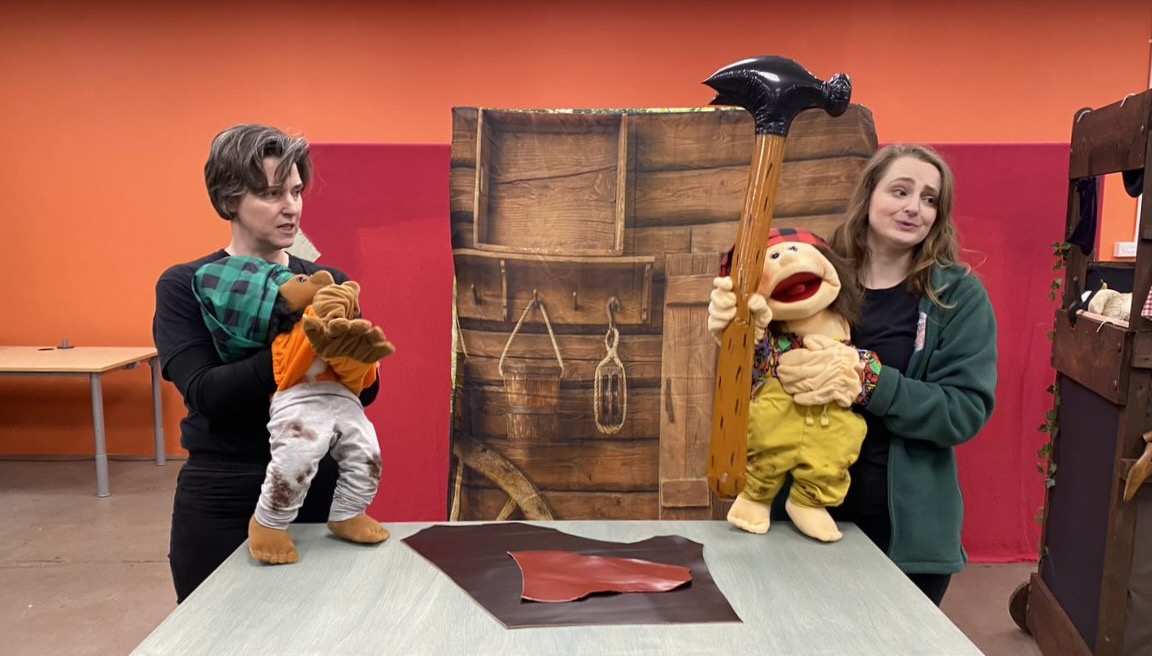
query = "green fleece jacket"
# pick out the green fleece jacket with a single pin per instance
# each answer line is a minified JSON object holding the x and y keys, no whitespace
{"x":943,"y":399}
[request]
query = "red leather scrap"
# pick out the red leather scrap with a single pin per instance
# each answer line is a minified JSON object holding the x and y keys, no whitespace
{"x":556,"y":576}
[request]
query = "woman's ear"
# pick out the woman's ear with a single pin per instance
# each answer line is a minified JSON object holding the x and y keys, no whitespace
{"x":230,"y":207}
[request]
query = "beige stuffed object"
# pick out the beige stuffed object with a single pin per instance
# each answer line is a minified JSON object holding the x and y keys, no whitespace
{"x":1111,"y":303}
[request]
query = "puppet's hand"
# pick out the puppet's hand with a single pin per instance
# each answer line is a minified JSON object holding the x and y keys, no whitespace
{"x":337,"y":302}
{"x":824,"y":371}
{"x":761,"y":315}
{"x":722,"y":309}
{"x":357,"y":339}
{"x":822,"y":342}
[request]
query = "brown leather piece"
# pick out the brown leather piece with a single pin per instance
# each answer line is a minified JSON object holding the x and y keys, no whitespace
{"x":558,"y":576}
{"x":475,"y":557}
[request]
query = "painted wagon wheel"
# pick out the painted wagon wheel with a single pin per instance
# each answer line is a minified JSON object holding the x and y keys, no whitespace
{"x":1018,"y":607}
{"x":507,"y":476}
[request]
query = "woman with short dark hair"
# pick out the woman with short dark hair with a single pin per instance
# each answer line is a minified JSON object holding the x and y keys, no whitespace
{"x":256,"y":177}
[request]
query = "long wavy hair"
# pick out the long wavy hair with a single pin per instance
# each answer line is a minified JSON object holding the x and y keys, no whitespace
{"x":939,"y":249}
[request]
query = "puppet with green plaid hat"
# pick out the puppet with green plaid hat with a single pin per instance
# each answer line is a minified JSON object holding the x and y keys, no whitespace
{"x":323,"y":356}
{"x":241,"y":304}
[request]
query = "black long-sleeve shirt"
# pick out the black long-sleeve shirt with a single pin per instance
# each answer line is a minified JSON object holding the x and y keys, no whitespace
{"x":887,"y":326}
{"x":227,"y":403}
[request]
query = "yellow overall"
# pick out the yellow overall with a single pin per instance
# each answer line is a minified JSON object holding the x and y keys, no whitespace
{"x":816,"y":444}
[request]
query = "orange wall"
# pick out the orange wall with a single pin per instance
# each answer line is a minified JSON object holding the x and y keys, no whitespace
{"x":106,"y":114}
{"x":1118,"y":216}
{"x":1117,"y":219}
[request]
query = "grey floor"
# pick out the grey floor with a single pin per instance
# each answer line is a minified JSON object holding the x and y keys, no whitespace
{"x":82,"y":575}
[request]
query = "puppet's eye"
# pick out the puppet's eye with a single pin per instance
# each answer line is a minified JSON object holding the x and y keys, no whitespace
{"x":776,"y":256}
{"x":302,"y":278}
{"x":794,"y":249}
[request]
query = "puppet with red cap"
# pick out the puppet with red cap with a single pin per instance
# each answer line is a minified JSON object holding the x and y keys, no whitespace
{"x":807,"y":298}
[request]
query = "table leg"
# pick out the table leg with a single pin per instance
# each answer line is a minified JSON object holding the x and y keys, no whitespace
{"x":157,"y":411}
{"x":98,"y":429}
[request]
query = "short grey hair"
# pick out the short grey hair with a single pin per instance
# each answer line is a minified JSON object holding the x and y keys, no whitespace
{"x":236,"y":163}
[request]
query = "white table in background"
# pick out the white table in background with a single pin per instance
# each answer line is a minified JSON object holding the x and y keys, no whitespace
{"x":91,"y":362}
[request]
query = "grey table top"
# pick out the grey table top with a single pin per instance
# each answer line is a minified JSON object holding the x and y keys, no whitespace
{"x":795,"y":596}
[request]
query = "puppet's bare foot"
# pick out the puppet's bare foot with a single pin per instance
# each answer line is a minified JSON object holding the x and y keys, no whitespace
{"x":813,"y":522}
{"x":270,"y":545}
{"x":361,"y":528}
{"x":752,"y":516}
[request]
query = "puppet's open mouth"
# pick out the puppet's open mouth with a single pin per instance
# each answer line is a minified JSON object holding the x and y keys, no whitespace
{"x":797,"y":287}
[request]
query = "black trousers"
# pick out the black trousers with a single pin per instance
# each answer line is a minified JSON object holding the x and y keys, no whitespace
{"x":867,"y":507}
{"x":214,"y":501}
{"x":878,"y":528}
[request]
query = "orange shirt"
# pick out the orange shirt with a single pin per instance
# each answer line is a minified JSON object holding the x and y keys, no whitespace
{"x":293,"y":355}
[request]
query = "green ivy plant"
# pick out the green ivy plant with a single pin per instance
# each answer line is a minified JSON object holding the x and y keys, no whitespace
{"x":1051,"y":425}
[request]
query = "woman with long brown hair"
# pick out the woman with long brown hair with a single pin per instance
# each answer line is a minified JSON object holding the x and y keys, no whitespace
{"x":930,"y":324}
{"x":926,"y":335}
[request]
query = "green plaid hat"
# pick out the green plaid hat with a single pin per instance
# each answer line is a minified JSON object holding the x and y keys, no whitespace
{"x":237,"y":297}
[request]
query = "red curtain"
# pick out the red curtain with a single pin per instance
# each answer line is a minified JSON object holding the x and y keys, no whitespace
{"x":1010,"y":208}
{"x":380,"y":214}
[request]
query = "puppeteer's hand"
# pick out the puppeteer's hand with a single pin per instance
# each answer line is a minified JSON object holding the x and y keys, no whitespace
{"x":356,"y":339}
{"x":823,"y":371}
{"x":722,"y":309}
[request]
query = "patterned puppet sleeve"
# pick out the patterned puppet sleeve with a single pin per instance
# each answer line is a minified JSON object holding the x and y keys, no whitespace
{"x":766,"y":358}
{"x":869,"y":377}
